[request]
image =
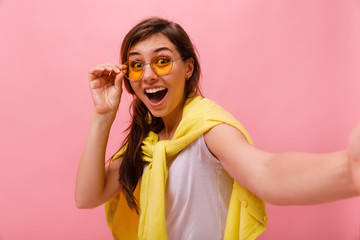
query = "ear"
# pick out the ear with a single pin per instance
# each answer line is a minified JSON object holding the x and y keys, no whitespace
{"x":189,"y":67}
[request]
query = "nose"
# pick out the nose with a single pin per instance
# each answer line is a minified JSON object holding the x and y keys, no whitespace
{"x":149,"y":74}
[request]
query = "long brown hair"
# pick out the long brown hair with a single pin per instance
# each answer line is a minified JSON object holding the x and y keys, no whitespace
{"x":143,"y":121}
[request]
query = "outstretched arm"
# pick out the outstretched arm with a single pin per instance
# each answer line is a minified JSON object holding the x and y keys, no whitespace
{"x":288,"y":178}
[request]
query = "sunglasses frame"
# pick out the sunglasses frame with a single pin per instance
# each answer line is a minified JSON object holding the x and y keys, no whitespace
{"x":143,"y":67}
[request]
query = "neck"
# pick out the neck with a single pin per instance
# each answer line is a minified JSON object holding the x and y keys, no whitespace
{"x":171,"y":122}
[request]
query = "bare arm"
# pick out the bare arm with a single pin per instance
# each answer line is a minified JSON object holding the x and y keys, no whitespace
{"x":96,"y":184}
{"x":286,"y":178}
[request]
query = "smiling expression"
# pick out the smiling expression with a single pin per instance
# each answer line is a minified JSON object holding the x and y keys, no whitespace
{"x":163,"y":95}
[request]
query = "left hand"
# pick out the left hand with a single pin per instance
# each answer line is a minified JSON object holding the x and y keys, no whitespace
{"x":354,"y":156}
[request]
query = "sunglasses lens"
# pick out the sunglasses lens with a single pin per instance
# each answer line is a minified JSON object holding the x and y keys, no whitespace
{"x":161,"y":65}
{"x":133,"y":70}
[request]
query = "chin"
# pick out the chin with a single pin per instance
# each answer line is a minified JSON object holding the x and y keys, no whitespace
{"x":158,"y":114}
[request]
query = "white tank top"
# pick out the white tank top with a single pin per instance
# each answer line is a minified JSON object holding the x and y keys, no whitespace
{"x":197,"y":195}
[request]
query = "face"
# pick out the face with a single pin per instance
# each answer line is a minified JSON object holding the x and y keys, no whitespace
{"x":163,"y":95}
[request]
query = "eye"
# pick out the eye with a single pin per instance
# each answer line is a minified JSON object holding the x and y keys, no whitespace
{"x":136,"y":66}
{"x":162,"y":61}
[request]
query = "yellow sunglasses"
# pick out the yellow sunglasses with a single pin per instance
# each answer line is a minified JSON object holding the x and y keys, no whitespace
{"x":161,"y":65}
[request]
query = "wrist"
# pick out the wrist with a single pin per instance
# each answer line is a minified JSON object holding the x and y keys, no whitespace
{"x":354,"y":166}
{"x":103,"y":118}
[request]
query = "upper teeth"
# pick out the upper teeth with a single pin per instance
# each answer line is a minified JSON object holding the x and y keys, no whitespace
{"x":154,"y":90}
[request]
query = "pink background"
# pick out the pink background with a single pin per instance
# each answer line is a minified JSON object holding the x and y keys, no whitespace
{"x":288,"y":70}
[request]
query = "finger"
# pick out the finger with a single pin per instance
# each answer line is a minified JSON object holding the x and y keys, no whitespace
{"x":106,"y":71}
{"x":124,"y":68}
{"x":112,"y":70}
{"x":94,"y":84}
{"x":95,"y":72}
{"x":117,"y":70}
{"x":118,"y":81}
{"x":110,"y":67}
{"x":103,"y":69}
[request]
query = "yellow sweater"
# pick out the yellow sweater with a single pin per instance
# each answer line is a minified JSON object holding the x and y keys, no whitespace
{"x":246,"y":215}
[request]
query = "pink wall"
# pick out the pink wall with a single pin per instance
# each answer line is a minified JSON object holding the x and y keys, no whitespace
{"x":289,"y":70}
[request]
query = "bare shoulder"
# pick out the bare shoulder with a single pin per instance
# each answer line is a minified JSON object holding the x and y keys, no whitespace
{"x":223,"y":129}
{"x":222,"y":137}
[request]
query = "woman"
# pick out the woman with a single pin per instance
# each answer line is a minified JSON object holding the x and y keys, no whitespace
{"x":187,"y":168}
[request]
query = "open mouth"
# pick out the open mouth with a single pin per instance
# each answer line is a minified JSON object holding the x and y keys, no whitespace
{"x":155,"y":95}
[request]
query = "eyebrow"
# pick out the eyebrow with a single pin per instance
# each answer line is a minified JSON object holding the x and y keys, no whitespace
{"x":156,"y":50}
